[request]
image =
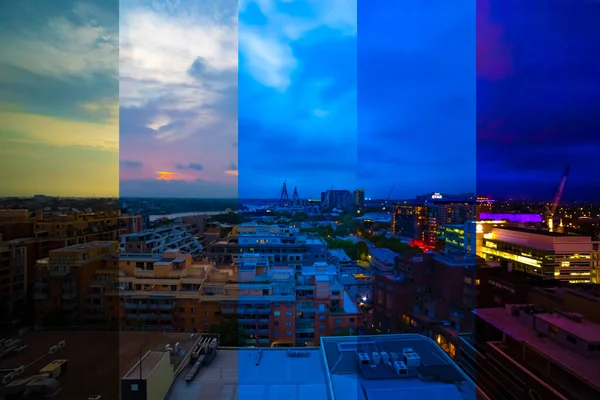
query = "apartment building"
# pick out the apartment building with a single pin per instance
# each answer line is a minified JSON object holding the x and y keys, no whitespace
{"x":154,"y":242}
{"x":71,"y":283}
{"x":432,"y":294}
{"x":527,"y":351}
{"x":281,"y":245}
{"x":551,"y":255}
{"x":274,"y":304}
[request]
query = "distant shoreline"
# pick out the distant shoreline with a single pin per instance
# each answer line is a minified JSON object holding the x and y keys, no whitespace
{"x":185,"y":214}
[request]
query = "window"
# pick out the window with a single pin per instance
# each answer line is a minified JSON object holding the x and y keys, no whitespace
{"x":276,"y":333}
{"x":276,"y":323}
{"x":571,"y":339}
{"x":322,"y":327}
{"x":288,"y":314}
{"x":277,"y":313}
{"x":338,"y":321}
{"x":288,"y":333}
{"x":134,"y":387}
{"x":553,"y":329}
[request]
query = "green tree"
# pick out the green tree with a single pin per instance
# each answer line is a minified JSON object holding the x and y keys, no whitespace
{"x":231,"y":333}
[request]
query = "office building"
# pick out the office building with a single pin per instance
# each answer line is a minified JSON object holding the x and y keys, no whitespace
{"x":341,"y":368}
{"x":551,"y":255}
{"x":526,"y":351}
{"x":281,"y":245}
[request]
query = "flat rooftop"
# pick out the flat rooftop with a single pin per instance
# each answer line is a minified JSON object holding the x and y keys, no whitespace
{"x":348,"y":382}
{"x":144,"y":369}
{"x":534,"y":231}
{"x":383,"y":254}
{"x":587,"y":368}
{"x":235,"y":374}
{"x":86,"y":246}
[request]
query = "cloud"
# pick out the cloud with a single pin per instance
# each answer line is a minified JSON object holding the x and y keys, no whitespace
{"x":297,"y":95}
{"x":267,"y":49}
{"x":166,"y":176}
{"x":193,"y":166}
{"x":131,"y":164}
{"x":82,"y":46}
{"x":189,"y":102}
{"x":54,"y":131}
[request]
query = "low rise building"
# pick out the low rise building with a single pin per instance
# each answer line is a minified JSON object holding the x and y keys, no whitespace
{"x":525,"y":350}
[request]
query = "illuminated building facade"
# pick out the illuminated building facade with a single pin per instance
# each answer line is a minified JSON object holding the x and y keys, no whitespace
{"x":548,"y":254}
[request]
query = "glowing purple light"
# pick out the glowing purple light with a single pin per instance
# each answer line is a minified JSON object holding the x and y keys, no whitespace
{"x":518,"y":218}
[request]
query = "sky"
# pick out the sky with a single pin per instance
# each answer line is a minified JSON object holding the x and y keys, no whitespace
{"x":59,"y":98}
{"x":416,"y":97}
{"x":538,"y":96}
{"x":297,"y":97}
{"x":208,"y":98}
{"x":178,"y":104}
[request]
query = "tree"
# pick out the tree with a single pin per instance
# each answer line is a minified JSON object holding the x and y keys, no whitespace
{"x":231,"y":333}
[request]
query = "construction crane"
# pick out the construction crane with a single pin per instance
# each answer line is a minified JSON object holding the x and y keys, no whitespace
{"x":384,"y":205}
{"x":552,"y":208}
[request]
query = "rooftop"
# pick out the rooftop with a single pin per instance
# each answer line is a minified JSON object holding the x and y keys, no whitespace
{"x":331,"y":372}
{"x":348,"y":380}
{"x":384,"y":255}
{"x":236,"y":374}
{"x":144,"y":369}
{"x":588,"y":368}
{"x":87,"y":246}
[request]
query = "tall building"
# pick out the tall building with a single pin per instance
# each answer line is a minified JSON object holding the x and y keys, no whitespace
{"x":550,"y":255}
{"x":337,"y":199}
{"x":415,"y":221}
{"x":359,"y":198}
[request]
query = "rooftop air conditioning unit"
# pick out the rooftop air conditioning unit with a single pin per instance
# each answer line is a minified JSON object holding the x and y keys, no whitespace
{"x":376,"y":357}
{"x":412,"y":360}
{"x":400,"y":368}
{"x":363,"y":359}
{"x":394,"y":356}
{"x":385,"y":358}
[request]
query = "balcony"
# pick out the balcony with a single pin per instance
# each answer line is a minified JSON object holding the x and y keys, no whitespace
{"x":305,"y":329}
{"x":69,"y":295}
{"x":264,"y":341}
{"x":247,"y":321}
{"x":67,"y":306}
{"x":228,"y":311}
{"x":305,"y":320}
{"x":263,"y":331}
{"x":135,"y":306}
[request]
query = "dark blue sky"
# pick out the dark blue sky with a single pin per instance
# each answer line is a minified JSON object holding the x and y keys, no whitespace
{"x":416,"y":97}
{"x":538,"y":98}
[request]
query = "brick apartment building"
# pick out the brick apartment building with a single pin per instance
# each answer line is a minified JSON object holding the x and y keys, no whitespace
{"x":26,"y":237}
